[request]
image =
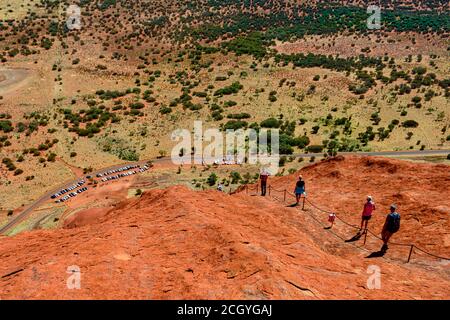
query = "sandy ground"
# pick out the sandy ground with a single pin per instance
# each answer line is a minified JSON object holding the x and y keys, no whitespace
{"x":12,"y":79}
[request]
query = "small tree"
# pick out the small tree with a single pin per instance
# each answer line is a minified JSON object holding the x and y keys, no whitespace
{"x":212,"y":179}
{"x":235,"y":177}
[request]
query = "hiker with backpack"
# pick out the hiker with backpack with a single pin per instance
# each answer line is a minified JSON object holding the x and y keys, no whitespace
{"x":299,"y":189}
{"x":263,"y":176}
{"x":391,"y":226}
{"x":369,"y":206}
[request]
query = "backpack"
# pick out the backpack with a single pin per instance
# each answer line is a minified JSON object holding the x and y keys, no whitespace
{"x":394,"y":222}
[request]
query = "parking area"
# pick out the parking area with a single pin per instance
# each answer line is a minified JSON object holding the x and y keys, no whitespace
{"x":78,"y":188}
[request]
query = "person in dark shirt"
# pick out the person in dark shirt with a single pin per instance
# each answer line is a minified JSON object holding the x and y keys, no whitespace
{"x":391,"y":226}
{"x":299,"y":189}
{"x":264,"y":176}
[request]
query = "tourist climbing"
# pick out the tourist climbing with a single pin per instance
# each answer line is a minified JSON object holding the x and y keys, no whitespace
{"x":300,"y":189}
{"x":264,"y":176}
{"x":391,"y":226}
{"x":368,"y":209}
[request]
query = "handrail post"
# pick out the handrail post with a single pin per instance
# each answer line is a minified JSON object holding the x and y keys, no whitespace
{"x":365,"y":235}
{"x":410,"y":253}
{"x":284,"y":198}
{"x":303,"y":206}
{"x":246,"y":188}
{"x":257,"y":188}
{"x":270,"y":188}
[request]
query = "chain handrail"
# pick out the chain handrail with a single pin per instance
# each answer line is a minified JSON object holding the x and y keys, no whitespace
{"x":356,"y":227}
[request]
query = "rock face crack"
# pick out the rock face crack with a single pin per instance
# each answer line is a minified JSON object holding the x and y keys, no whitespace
{"x":12,"y":273}
{"x":304,"y":290}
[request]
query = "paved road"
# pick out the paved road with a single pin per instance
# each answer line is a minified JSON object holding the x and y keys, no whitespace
{"x":24,"y":214}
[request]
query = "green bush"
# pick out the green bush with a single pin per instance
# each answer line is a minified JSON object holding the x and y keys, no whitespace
{"x":165,"y":110}
{"x":270,"y":123}
{"x":234,"y":88}
{"x":212,"y":179}
{"x":235,"y":125}
{"x":315,"y":148}
{"x":410,"y":124}
{"x":239,"y":116}
{"x":235,"y":177}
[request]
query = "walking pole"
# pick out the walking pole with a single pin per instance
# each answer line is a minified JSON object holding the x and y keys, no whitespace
{"x":303,"y":207}
{"x":257,"y":188}
{"x":410,"y":252}
{"x":284,"y":199}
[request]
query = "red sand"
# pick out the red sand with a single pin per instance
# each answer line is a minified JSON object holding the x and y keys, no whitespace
{"x":177,"y":243}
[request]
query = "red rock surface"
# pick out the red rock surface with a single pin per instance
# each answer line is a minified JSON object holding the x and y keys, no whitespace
{"x":177,"y":243}
{"x":421,"y":192}
{"x":85,"y":217}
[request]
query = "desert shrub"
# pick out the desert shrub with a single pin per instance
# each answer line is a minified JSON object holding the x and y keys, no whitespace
{"x":200,"y":94}
{"x":136,"y":106}
{"x":229,"y":103}
{"x":6,"y":126}
{"x":217,"y":115}
{"x":165,"y":110}
{"x":315,"y":129}
{"x":234,"y":88}
{"x":212,"y":179}
{"x":51,"y":157}
{"x":416,"y":99}
{"x":235,"y":125}
{"x":235,"y":177}
{"x":315,"y":148}
{"x":410,"y":124}
{"x":270,"y":123}
{"x":239,"y":116}
{"x":252,"y":44}
{"x":272,"y":98}
{"x":282,"y":161}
